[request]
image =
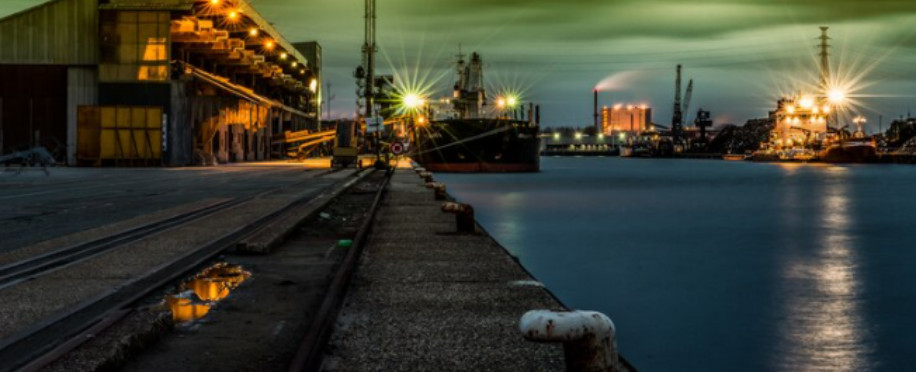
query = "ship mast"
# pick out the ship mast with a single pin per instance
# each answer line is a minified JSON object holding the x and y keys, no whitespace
{"x":825,"y":60}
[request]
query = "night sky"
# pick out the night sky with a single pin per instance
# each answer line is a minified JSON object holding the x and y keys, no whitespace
{"x":742,"y":54}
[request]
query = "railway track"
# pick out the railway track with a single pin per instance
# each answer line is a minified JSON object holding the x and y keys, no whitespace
{"x":43,"y":342}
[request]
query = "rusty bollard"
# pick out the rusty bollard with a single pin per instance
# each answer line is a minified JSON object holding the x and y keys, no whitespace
{"x":464,"y":216}
{"x":438,"y":188}
{"x":589,"y":338}
{"x":427,"y":176}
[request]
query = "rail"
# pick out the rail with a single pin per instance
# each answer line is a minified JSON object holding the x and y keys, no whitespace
{"x":44,"y":342}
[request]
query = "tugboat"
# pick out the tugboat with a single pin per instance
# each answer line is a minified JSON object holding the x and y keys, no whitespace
{"x":470,"y":140}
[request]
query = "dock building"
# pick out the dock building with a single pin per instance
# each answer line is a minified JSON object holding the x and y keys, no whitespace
{"x":630,"y":119}
{"x":150,"y":82}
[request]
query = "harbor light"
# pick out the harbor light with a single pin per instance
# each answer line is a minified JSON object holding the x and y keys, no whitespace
{"x":578,"y":135}
{"x":790,"y":109}
{"x":556,"y":136}
{"x":421,"y":120}
{"x":601,"y":136}
{"x":233,"y":15}
{"x":214,"y":2}
{"x":512,"y":101}
{"x":253,"y":32}
{"x":283,"y":56}
{"x":294,"y":64}
{"x":413,"y":101}
{"x":807,"y":102}
{"x":313,"y":85}
{"x":269,"y":45}
{"x":837,"y":96}
{"x":501,"y":102}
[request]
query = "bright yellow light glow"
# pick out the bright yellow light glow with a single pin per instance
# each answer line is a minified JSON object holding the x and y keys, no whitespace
{"x":511,"y":101}
{"x":269,"y":45}
{"x":421,"y":120}
{"x":578,"y":135}
{"x":837,"y":96}
{"x":214,"y":2}
{"x":233,"y":15}
{"x":253,"y":32}
{"x":283,"y":56}
{"x":294,"y":64}
{"x":790,"y":109}
{"x":556,"y":136}
{"x":302,"y":72}
{"x":826,"y":109}
{"x":413,"y":101}
{"x":501,"y":102}
{"x":807,"y":102}
{"x":313,"y":85}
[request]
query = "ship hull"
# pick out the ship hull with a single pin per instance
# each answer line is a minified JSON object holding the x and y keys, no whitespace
{"x":851,"y":153}
{"x":478,"y":146}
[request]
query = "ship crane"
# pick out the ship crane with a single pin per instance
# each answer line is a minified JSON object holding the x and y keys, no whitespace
{"x":677,"y":120}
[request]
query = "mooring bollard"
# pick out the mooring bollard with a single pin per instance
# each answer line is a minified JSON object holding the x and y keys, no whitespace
{"x":438,"y":188}
{"x":464,"y":216}
{"x":589,"y":338}
{"x":427,"y":176}
{"x":419,"y":169}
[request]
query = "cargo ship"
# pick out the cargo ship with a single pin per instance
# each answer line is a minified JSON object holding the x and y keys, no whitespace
{"x":470,"y":136}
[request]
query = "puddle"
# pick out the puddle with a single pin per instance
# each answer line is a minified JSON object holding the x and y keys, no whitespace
{"x":197,"y":296}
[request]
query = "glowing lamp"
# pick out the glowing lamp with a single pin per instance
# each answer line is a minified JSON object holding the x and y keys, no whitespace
{"x":413,"y":101}
{"x":214,"y":2}
{"x":556,"y":136}
{"x":232,"y":15}
{"x":294,"y":64}
{"x":253,"y":32}
{"x":511,"y":101}
{"x":313,"y":85}
{"x":501,"y":102}
{"x":837,"y":96}
{"x":284,"y":56}
{"x":790,"y":109}
{"x":807,"y":102}
{"x":269,"y":45}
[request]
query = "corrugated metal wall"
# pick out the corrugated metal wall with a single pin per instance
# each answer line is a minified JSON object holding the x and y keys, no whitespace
{"x":82,"y":90}
{"x":59,"y":32}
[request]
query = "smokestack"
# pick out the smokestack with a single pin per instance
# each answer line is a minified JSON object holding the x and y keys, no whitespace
{"x":537,"y":115}
{"x":596,"y":109}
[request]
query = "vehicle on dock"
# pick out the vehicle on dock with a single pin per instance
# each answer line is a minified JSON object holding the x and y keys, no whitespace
{"x":346,"y":145}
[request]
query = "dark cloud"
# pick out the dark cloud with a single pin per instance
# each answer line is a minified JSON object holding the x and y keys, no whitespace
{"x":741,"y":52}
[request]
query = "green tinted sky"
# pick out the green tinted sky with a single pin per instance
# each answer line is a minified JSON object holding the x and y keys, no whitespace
{"x":743,"y":54}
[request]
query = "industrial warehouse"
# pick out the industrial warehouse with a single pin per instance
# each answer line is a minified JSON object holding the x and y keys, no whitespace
{"x":146,"y":83}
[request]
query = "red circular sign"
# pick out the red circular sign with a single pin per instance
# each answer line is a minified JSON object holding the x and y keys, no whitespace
{"x":397,"y":148}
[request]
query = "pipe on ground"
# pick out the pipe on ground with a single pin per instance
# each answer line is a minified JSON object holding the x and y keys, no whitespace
{"x":589,"y":338}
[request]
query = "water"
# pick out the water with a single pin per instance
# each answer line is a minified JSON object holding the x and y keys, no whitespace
{"x":724,"y":266}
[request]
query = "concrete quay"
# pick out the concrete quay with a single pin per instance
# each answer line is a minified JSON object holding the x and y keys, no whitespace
{"x":427,"y":299}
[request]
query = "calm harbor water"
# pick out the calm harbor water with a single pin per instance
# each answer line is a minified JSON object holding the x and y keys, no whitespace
{"x":721,"y":266}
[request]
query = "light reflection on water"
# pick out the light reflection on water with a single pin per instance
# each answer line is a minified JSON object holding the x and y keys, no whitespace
{"x":731,"y":266}
{"x":822,"y":328}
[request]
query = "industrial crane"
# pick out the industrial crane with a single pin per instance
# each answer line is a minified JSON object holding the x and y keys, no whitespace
{"x":677,"y":121}
{"x":687,"y":97}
